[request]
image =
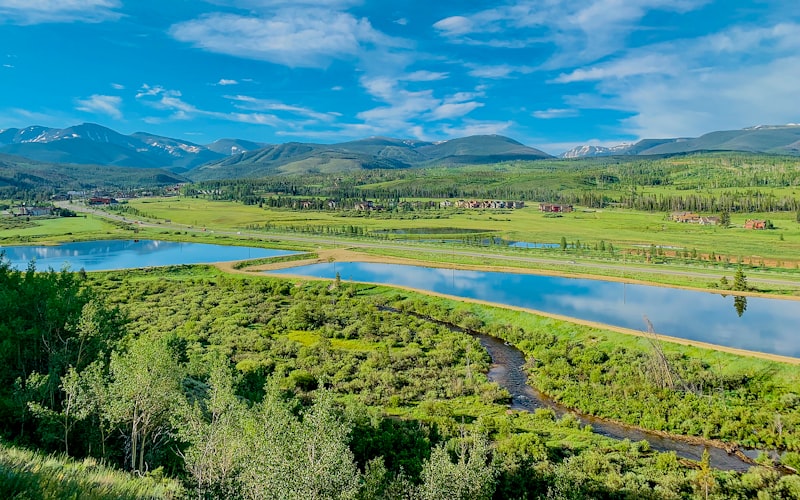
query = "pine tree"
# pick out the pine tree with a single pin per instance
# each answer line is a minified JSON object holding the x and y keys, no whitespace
{"x":739,"y":280}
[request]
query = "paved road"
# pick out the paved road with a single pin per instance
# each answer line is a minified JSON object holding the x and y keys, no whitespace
{"x":411,"y":249}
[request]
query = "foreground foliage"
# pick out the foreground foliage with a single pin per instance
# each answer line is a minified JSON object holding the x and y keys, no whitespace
{"x":25,"y":474}
{"x":251,"y":387}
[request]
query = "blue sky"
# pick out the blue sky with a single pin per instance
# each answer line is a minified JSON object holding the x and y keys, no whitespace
{"x":549,"y":73}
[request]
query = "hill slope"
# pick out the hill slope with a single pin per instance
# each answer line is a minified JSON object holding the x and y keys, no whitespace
{"x":22,"y":173}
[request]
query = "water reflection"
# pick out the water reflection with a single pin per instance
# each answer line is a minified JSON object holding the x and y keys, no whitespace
{"x":769,"y":325}
{"x":124,"y":254}
{"x":740,"y":305}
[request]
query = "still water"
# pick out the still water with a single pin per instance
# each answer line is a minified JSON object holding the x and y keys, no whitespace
{"x":125,"y":254}
{"x":766,"y":325}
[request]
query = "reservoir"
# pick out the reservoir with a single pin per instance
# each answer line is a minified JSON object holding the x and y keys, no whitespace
{"x":765,"y":324}
{"x":125,"y":254}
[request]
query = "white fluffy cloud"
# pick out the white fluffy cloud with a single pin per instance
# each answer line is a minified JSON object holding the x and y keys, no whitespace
{"x":103,"y":104}
{"x":579,"y":30}
{"x":58,"y":11}
{"x":291,"y":36}
{"x":736,"y":78}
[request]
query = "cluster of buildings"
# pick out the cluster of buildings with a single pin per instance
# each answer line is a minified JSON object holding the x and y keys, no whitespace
{"x":693,"y":218}
{"x":477,"y":204}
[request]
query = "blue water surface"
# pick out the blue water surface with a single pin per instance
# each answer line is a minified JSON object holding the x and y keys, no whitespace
{"x":767,"y":325}
{"x":125,"y":254}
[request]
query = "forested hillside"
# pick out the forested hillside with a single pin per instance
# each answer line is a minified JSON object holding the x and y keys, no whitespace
{"x":704,"y":182}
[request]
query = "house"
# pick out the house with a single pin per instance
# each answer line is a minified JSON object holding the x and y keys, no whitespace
{"x":365,"y":206}
{"x":755,"y":224}
{"x":555,"y":208}
{"x":102,"y":200}
{"x":33,"y":211}
{"x":685,"y":217}
{"x":708,"y":221}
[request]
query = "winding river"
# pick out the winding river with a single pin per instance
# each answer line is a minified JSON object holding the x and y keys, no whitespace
{"x":507,"y":371}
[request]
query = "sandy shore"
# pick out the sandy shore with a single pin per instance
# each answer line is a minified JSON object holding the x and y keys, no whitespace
{"x":345,"y":255}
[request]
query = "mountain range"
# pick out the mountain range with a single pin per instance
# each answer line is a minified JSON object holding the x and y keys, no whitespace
{"x":771,"y":139}
{"x":92,"y":144}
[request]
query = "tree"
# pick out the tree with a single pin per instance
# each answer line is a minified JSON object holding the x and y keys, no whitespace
{"x":725,"y":219}
{"x":49,"y":322}
{"x":470,"y":477}
{"x":563,"y":243}
{"x":213,"y":430}
{"x":739,"y":280}
{"x":301,"y":457}
{"x":145,"y":383}
{"x":705,"y":476}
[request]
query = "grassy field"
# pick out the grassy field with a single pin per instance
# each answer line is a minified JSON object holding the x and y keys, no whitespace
{"x":61,"y":229}
{"x":625,"y":229}
{"x":773,"y":254}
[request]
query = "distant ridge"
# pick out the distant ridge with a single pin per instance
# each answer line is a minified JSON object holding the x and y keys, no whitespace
{"x":92,"y":144}
{"x":371,"y":153}
{"x":772,"y":139}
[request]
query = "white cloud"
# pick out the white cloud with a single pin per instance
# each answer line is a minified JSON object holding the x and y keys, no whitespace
{"x":424,"y":76}
{"x":626,"y":67}
{"x":739,"y":77}
{"x":291,"y":36}
{"x":58,"y":11}
{"x":405,"y":108}
{"x":262,"y":5}
{"x":117,"y":86}
{"x":475,"y":127}
{"x":702,"y":101}
{"x":498,"y":71}
{"x":547,"y":114}
{"x":254,"y":104}
{"x":225,"y":81}
{"x":105,"y":104}
{"x":449,"y":111}
{"x":578,"y":30}
{"x":157,"y":97}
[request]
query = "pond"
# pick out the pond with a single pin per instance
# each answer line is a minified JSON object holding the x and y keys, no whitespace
{"x":765,"y":325}
{"x":530,"y":244}
{"x":124,"y":254}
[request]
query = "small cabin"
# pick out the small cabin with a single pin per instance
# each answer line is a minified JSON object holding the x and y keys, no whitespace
{"x":555,"y":208}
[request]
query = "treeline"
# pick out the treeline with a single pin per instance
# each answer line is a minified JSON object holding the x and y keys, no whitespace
{"x":596,"y":184}
{"x":735,"y":201}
